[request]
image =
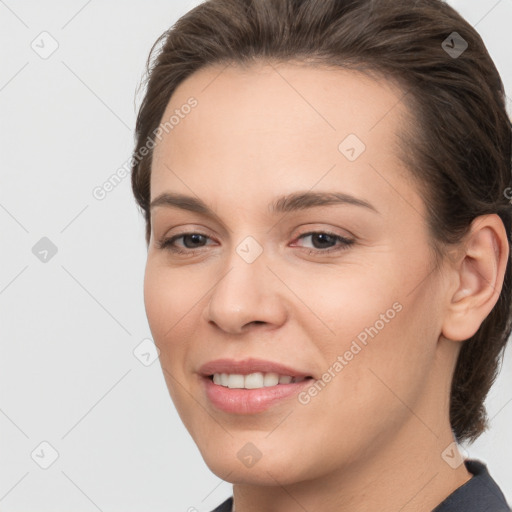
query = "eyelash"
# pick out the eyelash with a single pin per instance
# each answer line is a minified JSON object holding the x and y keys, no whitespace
{"x":167,"y":243}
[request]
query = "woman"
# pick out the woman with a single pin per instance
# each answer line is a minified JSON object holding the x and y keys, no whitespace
{"x":328,"y":275}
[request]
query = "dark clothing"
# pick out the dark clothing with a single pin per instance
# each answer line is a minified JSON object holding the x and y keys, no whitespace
{"x":479,"y":494}
{"x":226,"y":506}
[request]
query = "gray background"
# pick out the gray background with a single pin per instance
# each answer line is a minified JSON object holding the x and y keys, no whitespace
{"x":70,"y":325}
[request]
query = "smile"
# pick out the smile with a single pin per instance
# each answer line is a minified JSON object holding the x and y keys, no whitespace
{"x":253,"y":380}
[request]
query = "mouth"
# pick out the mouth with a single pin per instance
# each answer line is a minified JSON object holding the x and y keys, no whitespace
{"x":251,"y":386}
{"x":243,"y":400}
{"x":256,"y":380}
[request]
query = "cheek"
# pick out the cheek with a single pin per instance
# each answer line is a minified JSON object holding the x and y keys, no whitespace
{"x":169,"y":301}
{"x":371,"y":331}
{"x":341,"y":303}
{"x":171,"y":297}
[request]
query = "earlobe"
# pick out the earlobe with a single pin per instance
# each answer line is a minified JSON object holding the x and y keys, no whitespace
{"x":479,"y":272}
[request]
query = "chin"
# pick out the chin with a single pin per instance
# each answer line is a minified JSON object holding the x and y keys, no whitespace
{"x":262,"y":473}
{"x":243,"y":463}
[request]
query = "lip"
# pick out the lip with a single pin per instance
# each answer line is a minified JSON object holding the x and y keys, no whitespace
{"x":249,"y":401}
{"x":246,"y":366}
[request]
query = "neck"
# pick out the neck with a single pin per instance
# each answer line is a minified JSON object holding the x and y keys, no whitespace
{"x":408,"y":474}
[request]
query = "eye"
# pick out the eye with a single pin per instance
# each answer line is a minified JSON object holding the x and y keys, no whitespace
{"x":323,"y":242}
{"x":191,"y":241}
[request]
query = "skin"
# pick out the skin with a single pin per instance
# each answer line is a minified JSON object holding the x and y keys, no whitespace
{"x":374,"y":436}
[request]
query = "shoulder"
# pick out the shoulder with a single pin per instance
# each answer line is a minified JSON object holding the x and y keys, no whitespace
{"x":479,"y":494}
{"x":226,"y":506}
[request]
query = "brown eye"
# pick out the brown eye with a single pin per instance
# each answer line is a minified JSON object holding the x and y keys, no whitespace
{"x":324,"y":242}
{"x":190,"y":241}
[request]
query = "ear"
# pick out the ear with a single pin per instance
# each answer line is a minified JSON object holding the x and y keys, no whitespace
{"x":478,"y":271}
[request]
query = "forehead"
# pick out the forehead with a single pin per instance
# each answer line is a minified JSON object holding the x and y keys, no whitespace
{"x":285,"y":125}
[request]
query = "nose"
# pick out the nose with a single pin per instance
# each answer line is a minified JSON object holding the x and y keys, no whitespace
{"x":248,"y":294}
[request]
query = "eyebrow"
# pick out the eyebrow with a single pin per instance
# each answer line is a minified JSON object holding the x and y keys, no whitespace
{"x":288,"y":203}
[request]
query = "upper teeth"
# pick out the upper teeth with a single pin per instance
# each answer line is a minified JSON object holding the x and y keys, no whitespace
{"x":253,"y":380}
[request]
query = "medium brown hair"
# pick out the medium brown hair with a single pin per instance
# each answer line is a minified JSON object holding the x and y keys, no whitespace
{"x":458,"y":148}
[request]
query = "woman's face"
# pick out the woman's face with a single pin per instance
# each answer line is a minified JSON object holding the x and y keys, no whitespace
{"x":356,"y":306}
